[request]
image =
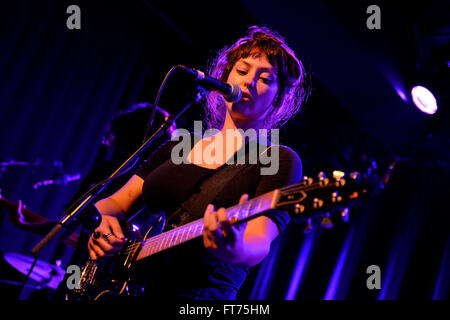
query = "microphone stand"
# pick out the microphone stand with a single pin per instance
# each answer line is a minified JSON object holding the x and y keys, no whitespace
{"x":93,"y":222}
{"x":74,"y":216}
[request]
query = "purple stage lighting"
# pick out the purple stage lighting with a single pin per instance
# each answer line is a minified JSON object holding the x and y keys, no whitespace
{"x":424,"y":99}
{"x":402,"y":94}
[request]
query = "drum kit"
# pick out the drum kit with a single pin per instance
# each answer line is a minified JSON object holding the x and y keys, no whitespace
{"x":43,"y":275}
{"x":16,"y":266}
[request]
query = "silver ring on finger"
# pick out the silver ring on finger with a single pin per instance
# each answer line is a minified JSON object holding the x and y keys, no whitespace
{"x":106,"y":236}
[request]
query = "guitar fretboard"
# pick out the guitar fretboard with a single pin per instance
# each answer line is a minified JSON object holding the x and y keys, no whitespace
{"x":194,"y":229}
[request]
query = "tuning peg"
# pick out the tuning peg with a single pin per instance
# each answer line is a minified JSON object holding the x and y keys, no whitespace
{"x":338,"y":174}
{"x":299,"y":208}
{"x":338,"y":177}
{"x":317,"y":203}
{"x":327,"y":222}
{"x":345,"y":215}
{"x":307,"y":180}
{"x":308,"y":228}
{"x":322,"y":178}
{"x":335,"y":197}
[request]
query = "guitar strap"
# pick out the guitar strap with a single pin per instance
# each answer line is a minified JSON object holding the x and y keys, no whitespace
{"x":207,"y":192}
{"x":194,"y":207}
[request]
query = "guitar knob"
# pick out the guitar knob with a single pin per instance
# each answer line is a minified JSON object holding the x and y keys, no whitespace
{"x":345,"y":216}
{"x":308,"y":228}
{"x":327,"y":222}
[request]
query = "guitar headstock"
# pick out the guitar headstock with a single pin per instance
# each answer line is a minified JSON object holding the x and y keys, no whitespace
{"x":324,"y":196}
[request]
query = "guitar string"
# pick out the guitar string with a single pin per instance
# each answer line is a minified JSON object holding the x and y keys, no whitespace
{"x":164,"y":236}
{"x":150,"y":243}
{"x":159,"y":239}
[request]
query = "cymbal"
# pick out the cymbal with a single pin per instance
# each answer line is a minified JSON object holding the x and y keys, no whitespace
{"x":44,"y":273}
{"x":19,"y":284}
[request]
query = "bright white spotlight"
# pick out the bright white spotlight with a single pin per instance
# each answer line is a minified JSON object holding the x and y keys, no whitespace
{"x":424,"y":99}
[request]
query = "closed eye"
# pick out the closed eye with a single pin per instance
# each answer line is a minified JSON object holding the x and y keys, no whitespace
{"x":266,"y":80}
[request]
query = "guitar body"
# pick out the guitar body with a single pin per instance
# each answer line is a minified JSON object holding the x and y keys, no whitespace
{"x":116,"y":276}
{"x":106,"y":278}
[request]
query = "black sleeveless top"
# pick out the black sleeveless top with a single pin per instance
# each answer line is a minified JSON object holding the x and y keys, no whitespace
{"x":188,"y":270}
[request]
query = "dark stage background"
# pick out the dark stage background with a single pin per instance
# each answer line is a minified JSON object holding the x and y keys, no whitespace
{"x":60,"y":88}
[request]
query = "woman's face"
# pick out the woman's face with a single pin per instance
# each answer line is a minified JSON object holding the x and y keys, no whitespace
{"x":258,"y":80}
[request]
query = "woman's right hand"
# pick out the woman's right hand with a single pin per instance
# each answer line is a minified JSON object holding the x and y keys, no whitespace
{"x":107,"y":240}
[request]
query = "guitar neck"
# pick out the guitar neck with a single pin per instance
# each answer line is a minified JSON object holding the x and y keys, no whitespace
{"x":248,"y":210}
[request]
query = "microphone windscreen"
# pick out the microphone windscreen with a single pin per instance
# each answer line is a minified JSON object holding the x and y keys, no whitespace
{"x":235,"y":94}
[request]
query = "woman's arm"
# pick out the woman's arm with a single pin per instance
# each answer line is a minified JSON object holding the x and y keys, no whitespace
{"x":121,"y":201}
{"x":113,"y":210}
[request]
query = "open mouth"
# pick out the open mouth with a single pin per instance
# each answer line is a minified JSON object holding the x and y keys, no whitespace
{"x":246,"y":96}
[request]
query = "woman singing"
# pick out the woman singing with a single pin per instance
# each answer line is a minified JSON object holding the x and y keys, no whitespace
{"x":273,"y":83}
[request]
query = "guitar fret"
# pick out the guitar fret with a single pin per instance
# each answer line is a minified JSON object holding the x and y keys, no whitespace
{"x":175,"y":237}
{"x":260,"y":203}
{"x":179,"y":235}
{"x":182,"y":235}
{"x":189,"y":231}
{"x":172,"y":239}
{"x":164,"y":241}
{"x":154,"y":244}
{"x":160,"y":242}
{"x":150,"y":246}
{"x":167,"y":240}
{"x":200,"y":228}
{"x":144,"y":249}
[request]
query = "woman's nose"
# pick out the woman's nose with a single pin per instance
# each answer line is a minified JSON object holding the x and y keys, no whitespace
{"x":249,"y":81}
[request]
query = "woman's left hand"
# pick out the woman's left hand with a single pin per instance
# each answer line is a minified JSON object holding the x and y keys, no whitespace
{"x":221,"y":237}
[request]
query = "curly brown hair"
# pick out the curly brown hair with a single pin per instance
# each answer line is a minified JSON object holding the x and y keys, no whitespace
{"x":293,"y":80}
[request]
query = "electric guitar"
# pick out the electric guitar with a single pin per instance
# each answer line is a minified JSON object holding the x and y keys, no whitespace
{"x":306,"y":201}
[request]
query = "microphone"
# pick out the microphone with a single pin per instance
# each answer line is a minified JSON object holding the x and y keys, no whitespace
{"x":231,"y":92}
{"x":58,"y":180}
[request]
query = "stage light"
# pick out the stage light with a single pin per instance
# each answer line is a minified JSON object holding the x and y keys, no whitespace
{"x":424,"y":99}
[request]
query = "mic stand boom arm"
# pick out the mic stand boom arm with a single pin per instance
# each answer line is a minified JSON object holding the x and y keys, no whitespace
{"x":75,"y":216}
